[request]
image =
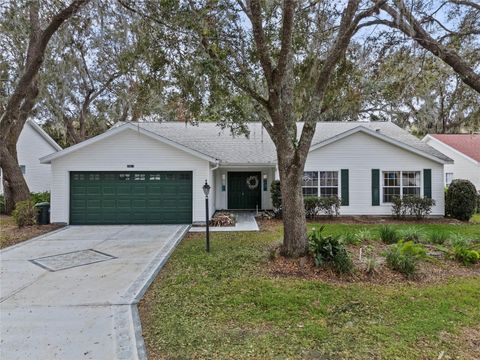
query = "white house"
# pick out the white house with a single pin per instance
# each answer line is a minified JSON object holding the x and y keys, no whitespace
{"x":33,"y":144}
{"x":464,"y":150}
{"x":154,"y":172}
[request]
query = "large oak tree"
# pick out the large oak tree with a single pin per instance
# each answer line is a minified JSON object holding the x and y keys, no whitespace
{"x":21,"y":100}
{"x":278,"y":58}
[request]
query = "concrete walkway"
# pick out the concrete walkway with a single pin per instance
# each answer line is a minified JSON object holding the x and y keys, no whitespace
{"x":245,"y":222}
{"x":72,"y":294}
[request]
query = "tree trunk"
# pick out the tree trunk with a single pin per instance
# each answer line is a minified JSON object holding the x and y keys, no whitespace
{"x":295,"y":242}
{"x":14,"y":185}
{"x":22,"y":100}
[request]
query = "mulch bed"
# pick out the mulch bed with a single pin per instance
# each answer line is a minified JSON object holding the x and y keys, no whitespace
{"x":432,"y":270}
{"x":11,"y":234}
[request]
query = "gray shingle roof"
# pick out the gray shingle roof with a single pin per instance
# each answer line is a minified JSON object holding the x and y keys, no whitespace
{"x":258,"y":148}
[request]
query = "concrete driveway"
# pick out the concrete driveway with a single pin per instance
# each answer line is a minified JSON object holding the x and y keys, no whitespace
{"x":72,"y":294}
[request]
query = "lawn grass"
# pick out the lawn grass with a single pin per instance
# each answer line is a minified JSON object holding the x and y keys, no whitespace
{"x":475,"y":219}
{"x":225,"y":305}
{"x":467,"y":230}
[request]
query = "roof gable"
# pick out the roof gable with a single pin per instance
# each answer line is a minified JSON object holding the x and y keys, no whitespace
{"x":44,"y":135}
{"x":379,"y":135}
{"x":466,"y":144}
{"x":210,"y":142}
{"x":124,"y":127}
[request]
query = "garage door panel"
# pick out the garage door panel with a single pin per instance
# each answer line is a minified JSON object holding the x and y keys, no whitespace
{"x":123,"y":189}
{"x":109,"y":204}
{"x":108,"y":190}
{"x":131,"y":198}
{"x":94,"y":190}
{"x":124,"y":203}
{"x":139,"y":189}
{"x":139,"y":204}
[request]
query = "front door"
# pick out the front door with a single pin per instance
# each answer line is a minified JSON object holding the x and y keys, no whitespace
{"x":244,"y":190}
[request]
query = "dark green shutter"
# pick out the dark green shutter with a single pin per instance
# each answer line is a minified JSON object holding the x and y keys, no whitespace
{"x":427,"y":183}
{"x":345,"y":196}
{"x":375,"y":187}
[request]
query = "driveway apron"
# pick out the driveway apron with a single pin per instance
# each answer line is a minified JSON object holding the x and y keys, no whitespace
{"x":72,"y":294}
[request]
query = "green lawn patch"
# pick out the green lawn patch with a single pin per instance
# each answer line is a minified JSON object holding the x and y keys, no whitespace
{"x":475,"y":219}
{"x":225,"y":305}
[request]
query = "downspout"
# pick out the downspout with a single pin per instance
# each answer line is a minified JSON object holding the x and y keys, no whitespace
{"x":217,"y":162}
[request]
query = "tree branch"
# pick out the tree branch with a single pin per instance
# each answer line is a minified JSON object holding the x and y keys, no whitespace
{"x":404,"y":21}
{"x":466,"y":3}
{"x":255,"y":16}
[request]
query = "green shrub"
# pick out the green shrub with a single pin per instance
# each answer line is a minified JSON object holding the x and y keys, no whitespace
{"x":466,"y":256}
{"x":398,"y":210}
{"x":350,"y":239}
{"x":459,"y":240}
{"x":412,"y":206}
{"x":39,"y":197}
{"x":438,"y":237}
{"x":276,"y":195}
{"x":478,"y":202}
{"x":404,"y":256}
{"x":371,"y":265}
{"x":310,"y":203}
{"x":329,"y":251}
{"x":321,"y":205}
{"x":460,"y":200}
{"x":388,"y":234}
{"x":462,"y":250}
{"x":412,"y":233}
{"x":2,"y":204}
{"x":363,"y":235}
{"x":25,"y":214}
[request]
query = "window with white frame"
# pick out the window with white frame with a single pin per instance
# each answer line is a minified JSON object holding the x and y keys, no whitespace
{"x":328,"y":183}
{"x":320,"y":183}
{"x":391,"y":185}
{"x":400,"y":183}
{"x":448,"y":178}
{"x":411,"y":183}
{"x":310,"y":183}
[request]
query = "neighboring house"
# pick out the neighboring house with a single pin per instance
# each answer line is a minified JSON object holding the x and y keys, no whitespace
{"x":32,"y":144}
{"x":154,"y":172}
{"x":464,"y":150}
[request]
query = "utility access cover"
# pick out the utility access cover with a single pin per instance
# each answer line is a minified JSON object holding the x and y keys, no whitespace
{"x":71,"y":259}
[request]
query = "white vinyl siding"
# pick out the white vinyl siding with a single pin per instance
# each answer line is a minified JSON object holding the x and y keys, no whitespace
{"x":360,"y":153}
{"x":114,"y":154}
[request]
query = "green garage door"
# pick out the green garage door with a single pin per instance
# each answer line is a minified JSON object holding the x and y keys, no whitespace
{"x":153,"y":197}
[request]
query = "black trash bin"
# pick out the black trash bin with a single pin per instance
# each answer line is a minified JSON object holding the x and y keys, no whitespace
{"x":43,"y":214}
